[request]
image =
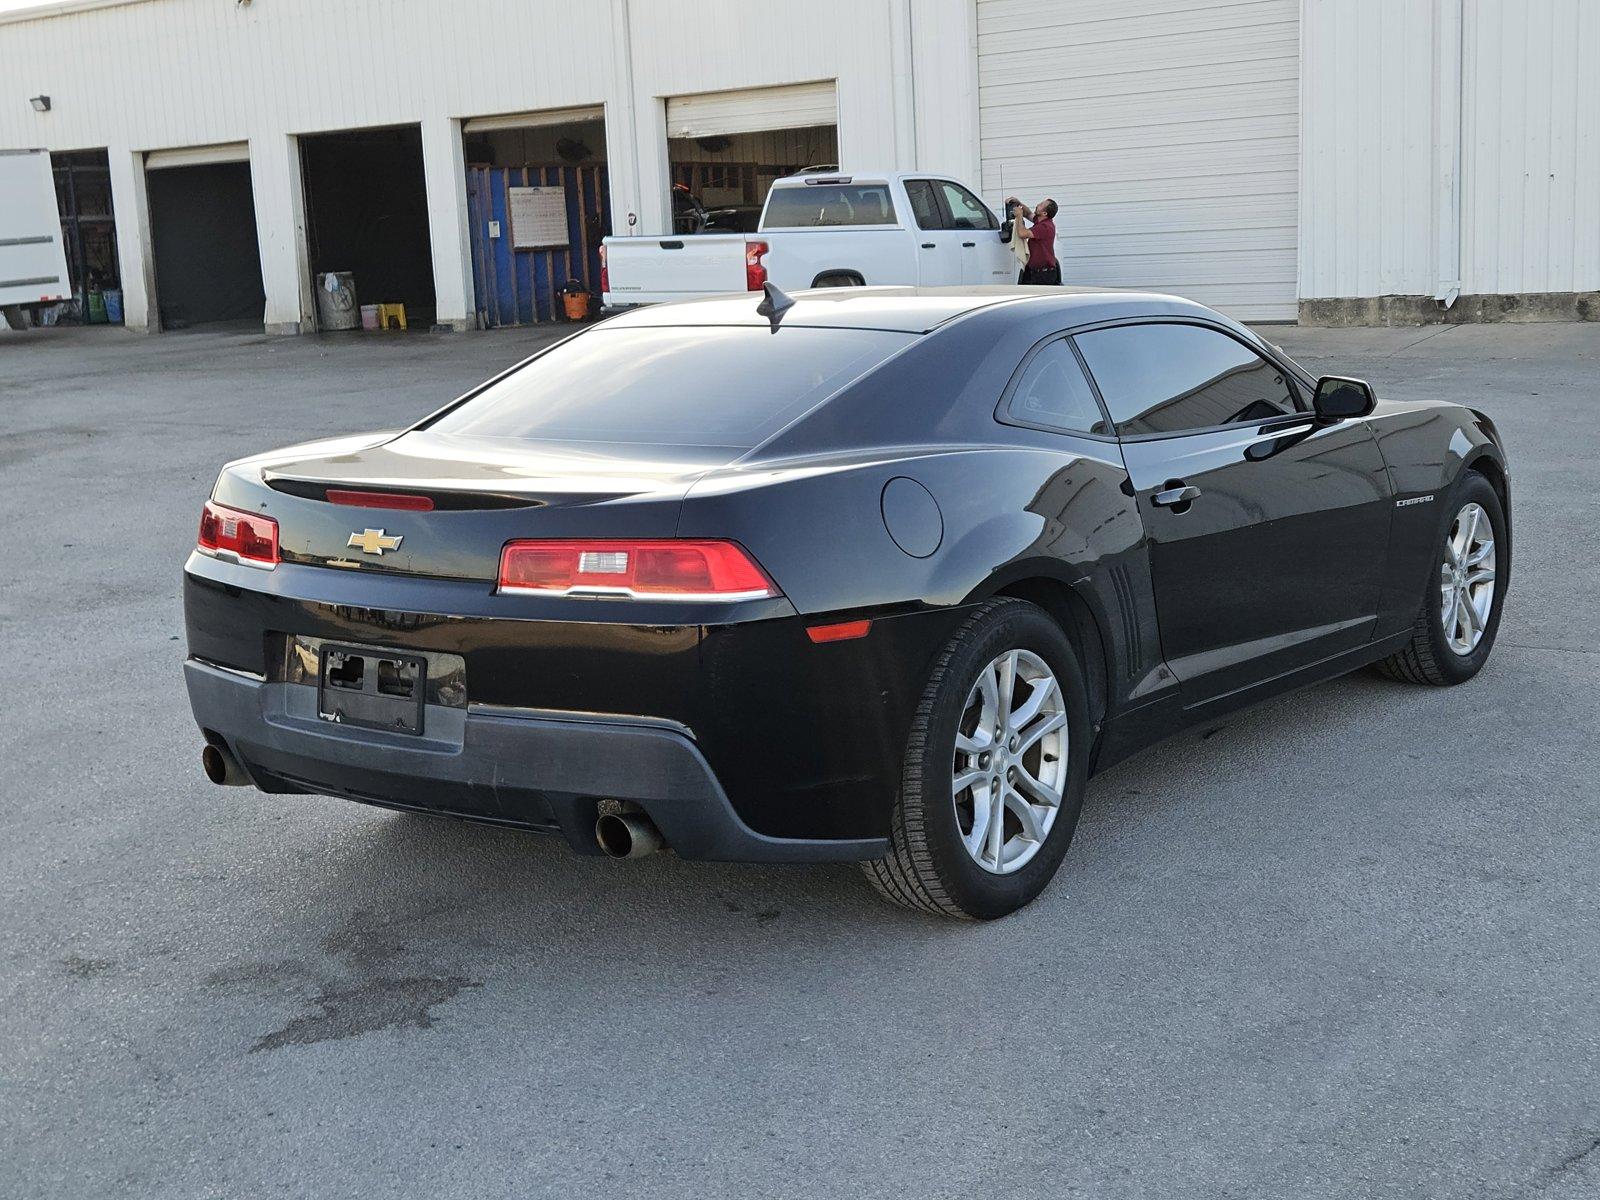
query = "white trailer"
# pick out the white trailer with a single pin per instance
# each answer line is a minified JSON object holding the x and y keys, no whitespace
{"x":33,"y":261}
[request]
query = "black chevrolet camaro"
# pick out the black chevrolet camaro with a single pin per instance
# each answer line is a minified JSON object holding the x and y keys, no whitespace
{"x":863,"y":574}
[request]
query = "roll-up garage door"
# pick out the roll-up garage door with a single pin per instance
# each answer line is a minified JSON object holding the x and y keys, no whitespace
{"x":1168,"y":134}
{"x":196,"y":156}
{"x":708,"y":114}
{"x":540,"y":119}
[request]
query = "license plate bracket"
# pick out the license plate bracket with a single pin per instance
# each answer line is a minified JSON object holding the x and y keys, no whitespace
{"x":375,"y":689}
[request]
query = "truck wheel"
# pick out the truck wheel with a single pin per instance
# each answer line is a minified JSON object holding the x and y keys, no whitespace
{"x":838,"y":279}
{"x":995,"y":769}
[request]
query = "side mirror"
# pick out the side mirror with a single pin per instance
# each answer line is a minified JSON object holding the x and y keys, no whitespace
{"x":1339,"y":399}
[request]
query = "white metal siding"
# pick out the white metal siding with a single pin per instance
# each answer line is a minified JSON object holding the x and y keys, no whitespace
{"x":1167,"y":132}
{"x":1530,"y":156}
{"x":747,"y":110}
{"x":1367,"y":216}
{"x":1376,"y":200}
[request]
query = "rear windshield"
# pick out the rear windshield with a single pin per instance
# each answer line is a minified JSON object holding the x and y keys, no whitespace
{"x":676,"y":386}
{"x":817,"y":205}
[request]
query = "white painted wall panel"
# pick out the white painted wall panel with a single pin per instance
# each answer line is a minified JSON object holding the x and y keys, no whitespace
{"x":1530,"y":146}
{"x":1367,"y":212}
{"x":1374,"y":204}
{"x":1168,"y":133}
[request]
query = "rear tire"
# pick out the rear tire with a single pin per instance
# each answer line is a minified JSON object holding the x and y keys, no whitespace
{"x":831,"y":279}
{"x":986,"y":849}
{"x":1457,"y":622}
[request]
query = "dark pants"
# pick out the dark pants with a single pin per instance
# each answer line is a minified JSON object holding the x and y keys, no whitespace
{"x":1041,"y":275}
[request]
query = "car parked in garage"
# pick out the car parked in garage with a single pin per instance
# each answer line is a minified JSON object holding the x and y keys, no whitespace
{"x":822,"y":230}
{"x":870,"y":574}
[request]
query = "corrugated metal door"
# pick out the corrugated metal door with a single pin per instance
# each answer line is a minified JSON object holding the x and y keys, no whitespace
{"x":1169,"y":135}
{"x":523,"y":286}
{"x":795,"y":106}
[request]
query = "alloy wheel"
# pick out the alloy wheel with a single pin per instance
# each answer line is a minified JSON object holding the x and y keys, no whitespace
{"x":1467,"y":579}
{"x":1010,"y":763}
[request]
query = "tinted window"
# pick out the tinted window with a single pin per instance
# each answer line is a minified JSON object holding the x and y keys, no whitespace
{"x":1166,"y":378}
{"x":924,"y":205}
{"x":683,"y":386}
{"x":817,"y":205}
{"x":966,"y":210}
{"x":1054,"y":392}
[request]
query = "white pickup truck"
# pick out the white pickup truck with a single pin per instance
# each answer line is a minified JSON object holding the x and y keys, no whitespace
{"x":822,"y":230}
{"x":33,"y":263}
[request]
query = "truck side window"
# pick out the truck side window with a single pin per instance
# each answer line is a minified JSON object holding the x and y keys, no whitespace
{"x":966,"y":210}
{"x":924,"y":204}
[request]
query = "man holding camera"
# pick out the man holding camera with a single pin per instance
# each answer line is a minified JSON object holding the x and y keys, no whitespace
{"x":1041,"y":267}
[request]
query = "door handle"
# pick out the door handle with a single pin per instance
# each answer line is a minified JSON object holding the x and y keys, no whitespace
{"x":928,"y":246}
{"x":969,"y":245}
{"x":1178,"y":497}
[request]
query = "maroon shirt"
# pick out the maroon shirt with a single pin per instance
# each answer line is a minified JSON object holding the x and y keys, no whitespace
{"x":1042,"y":245}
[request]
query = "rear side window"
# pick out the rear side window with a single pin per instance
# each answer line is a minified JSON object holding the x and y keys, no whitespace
{"x":1053,"y":392}
{"x":822,"y":205}
{"x":726,"y":386}
{"x":924,"y":205}
{"x":1170,"y":378}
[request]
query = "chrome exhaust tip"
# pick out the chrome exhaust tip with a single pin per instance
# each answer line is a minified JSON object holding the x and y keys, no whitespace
{"x":627,"y":835}
{"x":222,"y":768}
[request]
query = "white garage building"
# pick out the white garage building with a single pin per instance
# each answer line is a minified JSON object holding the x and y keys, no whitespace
{"x":1332,"y":160}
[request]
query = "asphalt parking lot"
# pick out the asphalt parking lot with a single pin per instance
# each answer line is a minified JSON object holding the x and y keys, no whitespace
{"x":1346,"y":945}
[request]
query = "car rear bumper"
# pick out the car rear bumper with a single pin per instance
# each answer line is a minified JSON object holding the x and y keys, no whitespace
{"x":535,"y":770}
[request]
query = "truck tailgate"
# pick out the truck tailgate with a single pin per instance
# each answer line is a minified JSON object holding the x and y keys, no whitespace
{"x":645,"y":270}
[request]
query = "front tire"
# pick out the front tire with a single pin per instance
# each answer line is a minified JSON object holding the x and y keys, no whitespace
{"x":1460,"y":613}
{"x":995,"y":769}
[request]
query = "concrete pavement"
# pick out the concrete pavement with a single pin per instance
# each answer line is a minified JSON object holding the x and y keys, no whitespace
{"x":1346,"y":945}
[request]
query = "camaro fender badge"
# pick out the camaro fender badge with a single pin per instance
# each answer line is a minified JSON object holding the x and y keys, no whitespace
{"x":1398,"y":504}
{"x":375,"y":541}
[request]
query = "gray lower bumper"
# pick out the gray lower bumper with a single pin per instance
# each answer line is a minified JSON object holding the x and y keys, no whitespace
{"x":497,"y":765}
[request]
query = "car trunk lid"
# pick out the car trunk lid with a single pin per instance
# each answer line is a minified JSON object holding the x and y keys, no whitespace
{"x":428,"y":504}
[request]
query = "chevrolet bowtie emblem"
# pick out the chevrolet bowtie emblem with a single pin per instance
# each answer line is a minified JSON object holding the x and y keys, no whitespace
{"x":375,"y":541}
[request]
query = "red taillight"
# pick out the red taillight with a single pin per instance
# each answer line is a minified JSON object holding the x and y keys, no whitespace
{"x":251,"y":537}
{"x":656,"y":570}
{"x":403,"y":501}
{"x":755,"y":275}
{"x":605,"y":272}
{"x":843,"y":631}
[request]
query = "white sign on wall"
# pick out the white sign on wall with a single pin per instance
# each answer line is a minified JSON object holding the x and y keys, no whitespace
{"x":538,"y":217}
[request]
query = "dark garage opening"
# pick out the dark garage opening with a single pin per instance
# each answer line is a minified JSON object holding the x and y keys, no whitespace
{"x":367,"y":213}
{"x":203,"y":226}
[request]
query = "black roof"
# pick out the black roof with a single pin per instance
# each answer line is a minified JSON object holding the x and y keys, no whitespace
{"x":908,"y":309}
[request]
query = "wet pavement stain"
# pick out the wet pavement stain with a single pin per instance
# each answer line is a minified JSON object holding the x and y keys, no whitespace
{"x":361,"y":989}
{"x":86,"y":968}
{"x":366,"y":1008}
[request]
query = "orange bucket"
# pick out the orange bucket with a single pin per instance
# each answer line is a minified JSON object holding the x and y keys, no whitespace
{"x":577,"y":305}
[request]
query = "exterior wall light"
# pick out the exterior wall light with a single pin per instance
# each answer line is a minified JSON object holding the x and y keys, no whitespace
{"x":40,"y":103}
